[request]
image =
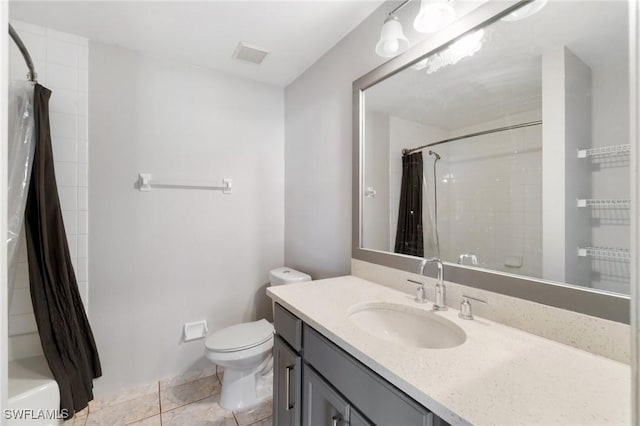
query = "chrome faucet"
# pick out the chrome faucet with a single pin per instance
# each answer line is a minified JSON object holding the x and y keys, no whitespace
{"x":440,"y":296}
{"x":464,"y":256}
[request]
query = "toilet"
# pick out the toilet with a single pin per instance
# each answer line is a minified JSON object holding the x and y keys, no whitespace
{"x":244,"y":351}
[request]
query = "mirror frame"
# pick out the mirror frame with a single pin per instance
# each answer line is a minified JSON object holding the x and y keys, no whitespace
{"x":610,"y":306}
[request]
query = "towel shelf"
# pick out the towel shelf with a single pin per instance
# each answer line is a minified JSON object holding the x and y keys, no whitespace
{"x":146,"y":184}
{"x":605,"y":253}
{"x":604,"y":203}
{"x":605,"y":150}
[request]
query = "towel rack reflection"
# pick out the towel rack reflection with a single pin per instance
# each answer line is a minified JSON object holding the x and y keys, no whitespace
{"x":146,"y":183}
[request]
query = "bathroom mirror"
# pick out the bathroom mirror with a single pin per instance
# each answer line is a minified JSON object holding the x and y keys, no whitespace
{"x":501,"y":145}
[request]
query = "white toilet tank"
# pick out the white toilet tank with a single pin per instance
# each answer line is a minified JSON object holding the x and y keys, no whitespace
{"x":286,"y":275}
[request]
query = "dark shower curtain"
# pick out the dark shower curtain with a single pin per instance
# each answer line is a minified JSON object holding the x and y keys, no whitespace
{"x":409,"y":233}
{"x":67,"y":340}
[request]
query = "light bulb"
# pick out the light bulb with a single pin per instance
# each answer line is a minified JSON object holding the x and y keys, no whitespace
{"x":391,"y":46}
{"x":434,"y":15}
{"x":392,"y":39}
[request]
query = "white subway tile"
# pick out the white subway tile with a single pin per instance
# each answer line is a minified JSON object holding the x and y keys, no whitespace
{"x":70,"y":220}
{"x":63,"y":125}
{"x":65,"y":149}
{"x":83,"y":103}
{"x":21,"y":279}
{"x":68,"y":197}
{"x":83,"y":175}
{"x":82,"y":271}
{"x":21,"y":302}
{"x":83,"y":56}
{"x":83,"y":198}
{"x":22,"y":324}
{"x":17,"y":69}
{"x":83,"y":287}
{"x":65,"y":101}
{"x":22,"y":247}
{"x":83,"y":127}
{"x":83,"y":152}
{"x":62,"y":77}
{"x":66,"y":174}
{"x":36,"y":45}
{"x":83,"y":80}
{"x":62,"y":52}
{"x":73,"y":245}
{"x":83,"y":246}
{"x":83,"y":222}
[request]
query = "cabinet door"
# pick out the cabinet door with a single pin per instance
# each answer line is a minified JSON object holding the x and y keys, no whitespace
{"x":287,"y":379}
{"x":322,"y":406}
{"x":357,"y":419}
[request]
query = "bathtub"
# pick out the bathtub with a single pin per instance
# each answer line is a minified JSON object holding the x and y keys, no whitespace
{"x":33,"y":394}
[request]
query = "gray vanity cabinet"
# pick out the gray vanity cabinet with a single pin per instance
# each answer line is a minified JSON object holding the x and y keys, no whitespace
{"x":287,"y":378}
{"x":322,"y":404}
{"x":335,"y":388}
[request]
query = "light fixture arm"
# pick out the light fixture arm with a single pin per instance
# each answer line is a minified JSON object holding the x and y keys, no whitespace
{"x":400,"y":6}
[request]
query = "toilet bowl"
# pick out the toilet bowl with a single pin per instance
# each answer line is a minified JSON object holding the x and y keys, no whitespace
{"x":244,"y":351}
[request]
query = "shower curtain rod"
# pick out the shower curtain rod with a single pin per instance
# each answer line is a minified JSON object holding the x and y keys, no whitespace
{"x":470,"y":135}
{"x":32,"y":76}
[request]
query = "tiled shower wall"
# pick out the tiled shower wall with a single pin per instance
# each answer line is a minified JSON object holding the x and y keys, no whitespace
{"x":490,"y":196}
{"x":61,"y":62}
{"x":489,"y":191}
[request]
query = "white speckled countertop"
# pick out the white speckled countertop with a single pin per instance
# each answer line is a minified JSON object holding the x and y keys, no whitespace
{"x":499,"y":376}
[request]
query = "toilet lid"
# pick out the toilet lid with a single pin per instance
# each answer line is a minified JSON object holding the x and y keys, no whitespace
{"x":240,"y":336}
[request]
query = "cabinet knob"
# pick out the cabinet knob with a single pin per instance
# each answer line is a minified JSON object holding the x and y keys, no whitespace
{"x":336,"y":420}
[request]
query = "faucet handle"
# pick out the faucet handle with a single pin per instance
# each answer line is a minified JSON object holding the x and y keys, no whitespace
{"x":419,"y":291}
{"x":465,"y":307}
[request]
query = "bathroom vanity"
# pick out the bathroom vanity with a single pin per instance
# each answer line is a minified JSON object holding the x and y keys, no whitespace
{"x":317,"y":383}
{"x":328,"y":370}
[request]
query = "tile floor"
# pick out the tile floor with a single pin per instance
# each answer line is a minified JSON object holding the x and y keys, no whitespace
{"x":194,"y":403}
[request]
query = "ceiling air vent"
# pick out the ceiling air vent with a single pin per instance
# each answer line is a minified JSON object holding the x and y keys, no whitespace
{"x":250,"y":53}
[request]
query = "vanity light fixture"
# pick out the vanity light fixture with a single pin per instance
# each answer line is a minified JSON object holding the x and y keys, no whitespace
{"x":433,"y":16}
{"x":392,"y":39}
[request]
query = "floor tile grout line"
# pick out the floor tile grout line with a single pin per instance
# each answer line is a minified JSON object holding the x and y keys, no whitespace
{"x":160,"y":402}
{"x":189,"y":403}
{"x":261,"y":420}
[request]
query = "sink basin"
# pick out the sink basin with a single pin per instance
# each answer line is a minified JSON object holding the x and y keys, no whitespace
{"x":407,"y":325}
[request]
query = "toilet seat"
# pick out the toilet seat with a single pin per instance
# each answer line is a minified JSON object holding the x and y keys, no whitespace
{"x":240,"y":337}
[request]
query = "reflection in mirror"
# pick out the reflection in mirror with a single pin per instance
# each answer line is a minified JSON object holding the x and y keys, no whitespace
{"x":508,"y":150}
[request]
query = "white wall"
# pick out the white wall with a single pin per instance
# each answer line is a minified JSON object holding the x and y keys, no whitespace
{"x":318,"y":149}
{"x":610,"y":177}
{"x":61,"y":62}
{"x":165,"y":257}
{"x":566,"y":113}
{"x":375,"y":208}
{"x":318,"y":153}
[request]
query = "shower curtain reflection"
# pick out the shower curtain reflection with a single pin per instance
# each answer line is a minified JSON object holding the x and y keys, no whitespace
{"x":417,"y":233}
